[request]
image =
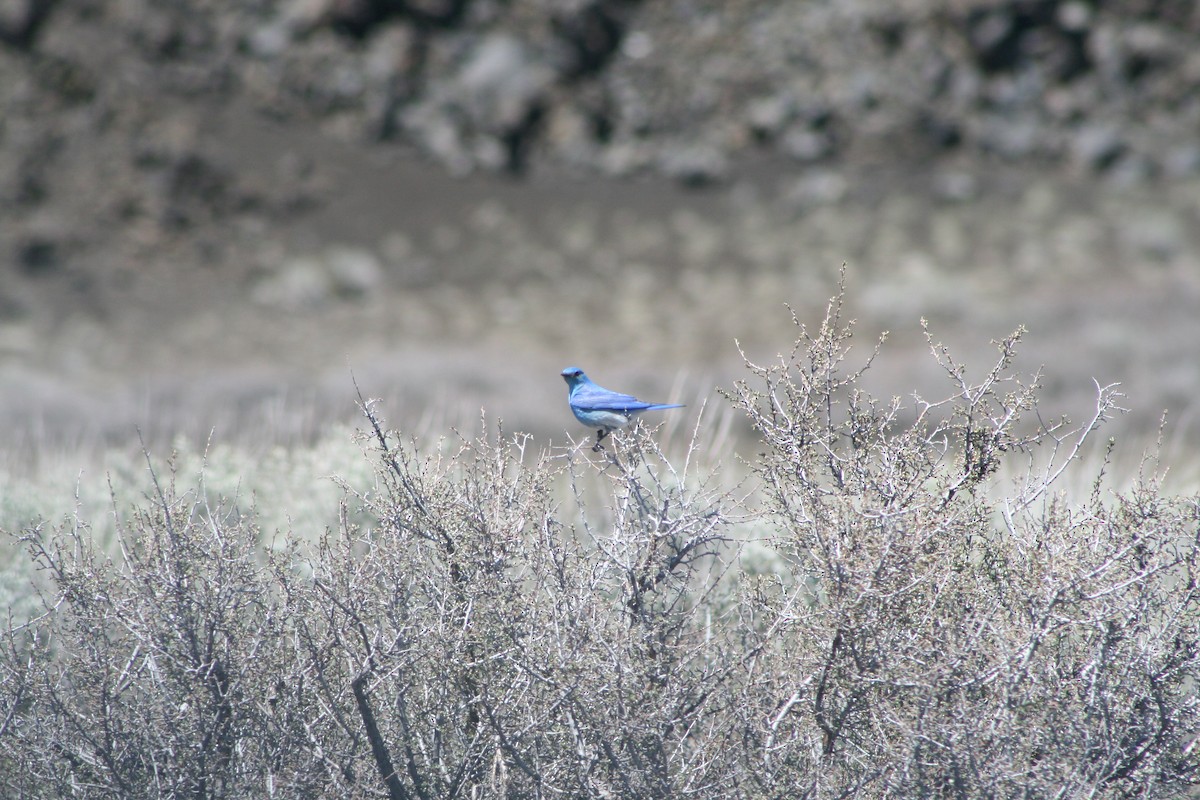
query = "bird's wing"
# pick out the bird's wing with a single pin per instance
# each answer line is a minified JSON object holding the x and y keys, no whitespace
{"x":596,"y":398}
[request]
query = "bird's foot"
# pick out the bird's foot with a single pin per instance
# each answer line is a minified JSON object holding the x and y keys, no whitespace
{"x":600,"y":434}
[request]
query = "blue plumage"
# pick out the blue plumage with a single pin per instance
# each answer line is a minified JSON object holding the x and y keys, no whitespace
{"x":602,"y":409}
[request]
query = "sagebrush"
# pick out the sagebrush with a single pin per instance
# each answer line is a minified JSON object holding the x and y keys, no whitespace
{"x":901,"y":603}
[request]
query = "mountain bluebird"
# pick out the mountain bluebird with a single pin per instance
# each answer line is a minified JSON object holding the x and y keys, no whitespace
{"x":599,"y":408}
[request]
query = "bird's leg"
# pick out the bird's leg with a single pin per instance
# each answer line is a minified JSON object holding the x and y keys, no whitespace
{"x":600,"y":434}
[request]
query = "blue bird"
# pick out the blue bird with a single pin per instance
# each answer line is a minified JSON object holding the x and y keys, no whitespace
{"x":599,"y":408}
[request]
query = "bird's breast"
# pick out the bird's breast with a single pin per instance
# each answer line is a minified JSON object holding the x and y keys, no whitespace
{"x":601,"y":418}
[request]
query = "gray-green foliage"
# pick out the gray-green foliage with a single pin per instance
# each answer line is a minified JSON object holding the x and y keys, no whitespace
{"x":491,"y":621}
{"x":290,"y":488}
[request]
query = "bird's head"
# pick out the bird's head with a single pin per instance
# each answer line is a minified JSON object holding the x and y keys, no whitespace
{"x":573,"y":376}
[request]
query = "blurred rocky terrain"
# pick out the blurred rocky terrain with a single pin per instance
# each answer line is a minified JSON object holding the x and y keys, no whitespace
{"x":206,"y":205}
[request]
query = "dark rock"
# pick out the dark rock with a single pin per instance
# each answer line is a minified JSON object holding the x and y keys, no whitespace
{"x":68,"y":80}
{"x":592,"y":34}
{"x":1147,"y":48}
{"x":360,"y":18}
{"x":39,"y":255}
{"x":993,"y":34}
{"x":1019,"y":35}
{"x":22,"y":20}
{"x":434,"y":12}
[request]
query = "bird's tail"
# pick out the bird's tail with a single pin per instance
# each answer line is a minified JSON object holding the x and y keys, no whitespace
{"x":661,"y":406}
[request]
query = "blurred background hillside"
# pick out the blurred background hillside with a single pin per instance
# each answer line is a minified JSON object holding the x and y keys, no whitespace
{"x":211,"y":213}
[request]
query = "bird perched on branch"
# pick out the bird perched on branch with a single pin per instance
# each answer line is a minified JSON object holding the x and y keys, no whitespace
{"x":599,"y":408}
